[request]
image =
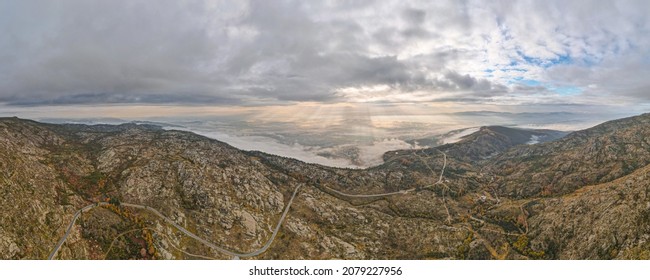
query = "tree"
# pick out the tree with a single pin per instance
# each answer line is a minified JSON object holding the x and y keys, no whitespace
{"x":114,"y":201}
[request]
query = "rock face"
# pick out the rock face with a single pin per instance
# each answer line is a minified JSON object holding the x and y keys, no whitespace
{"x":584,"y":196}
{"x":249,"y":223}
{"x":604,"y":221}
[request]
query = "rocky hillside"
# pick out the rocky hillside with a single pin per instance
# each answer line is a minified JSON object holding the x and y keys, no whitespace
{"x":489,"y":141}
{"x":485,"y":197}
{"x":596,"y":155}
{"x":605,"y":221}
{"x":492,"y":140}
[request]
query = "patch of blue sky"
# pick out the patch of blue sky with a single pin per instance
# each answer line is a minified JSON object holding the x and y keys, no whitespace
{"x":515,"y":80}
{"x":531,"y":60}
{"x":514,"y":69}
{"x":566,"y":91}
{"x":531,"y":83}
{"x":521,"y":81}
{"x":488,"y":73}
{"x":562,"y":59}
{"x":561,"y":90}
{"x":545,"y":63}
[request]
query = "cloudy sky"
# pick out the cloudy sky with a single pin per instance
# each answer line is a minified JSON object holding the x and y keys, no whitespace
{"x":262,"y":53}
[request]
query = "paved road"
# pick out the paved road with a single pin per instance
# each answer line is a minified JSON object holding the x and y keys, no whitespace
{"x":370,"y":195}
{"x":224,"y":250}
{"x":444,"y":165}
{"x":397,"y":192}
{"x":67,"y":232}
{"x":185,"y":231}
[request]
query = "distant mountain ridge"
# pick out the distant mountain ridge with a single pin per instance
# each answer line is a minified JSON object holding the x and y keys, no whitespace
{"x":474,"y":149}
{"x":492,"y":140}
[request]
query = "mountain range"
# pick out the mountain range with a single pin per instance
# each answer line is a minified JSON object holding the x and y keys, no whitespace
{"x":150,"y":193}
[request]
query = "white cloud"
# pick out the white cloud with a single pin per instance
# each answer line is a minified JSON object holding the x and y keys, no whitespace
{"x":458,"y":135}
{"x":271,"y":146}
{"x":371,"y":155}
{"x":368,"y":154}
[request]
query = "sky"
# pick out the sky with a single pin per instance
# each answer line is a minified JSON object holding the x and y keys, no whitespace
{"x":313,"y":63}
{"x":258,"y":53}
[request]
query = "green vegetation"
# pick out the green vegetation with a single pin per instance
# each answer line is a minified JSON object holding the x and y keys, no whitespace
{"x":522,"y":246}
{"x":114,"y":201}
{"x":463,"y":249}
{"x":145,"y":241}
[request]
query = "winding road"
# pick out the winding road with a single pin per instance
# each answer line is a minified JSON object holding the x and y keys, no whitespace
{"x":182,"y":229}
{"x":397,"y":192}
{"x":225,"y":251}
{"x":444,"y":165}
{"x":67,"y":232}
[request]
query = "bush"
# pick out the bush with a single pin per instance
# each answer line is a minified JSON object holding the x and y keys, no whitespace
{"x":114,"y":201}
